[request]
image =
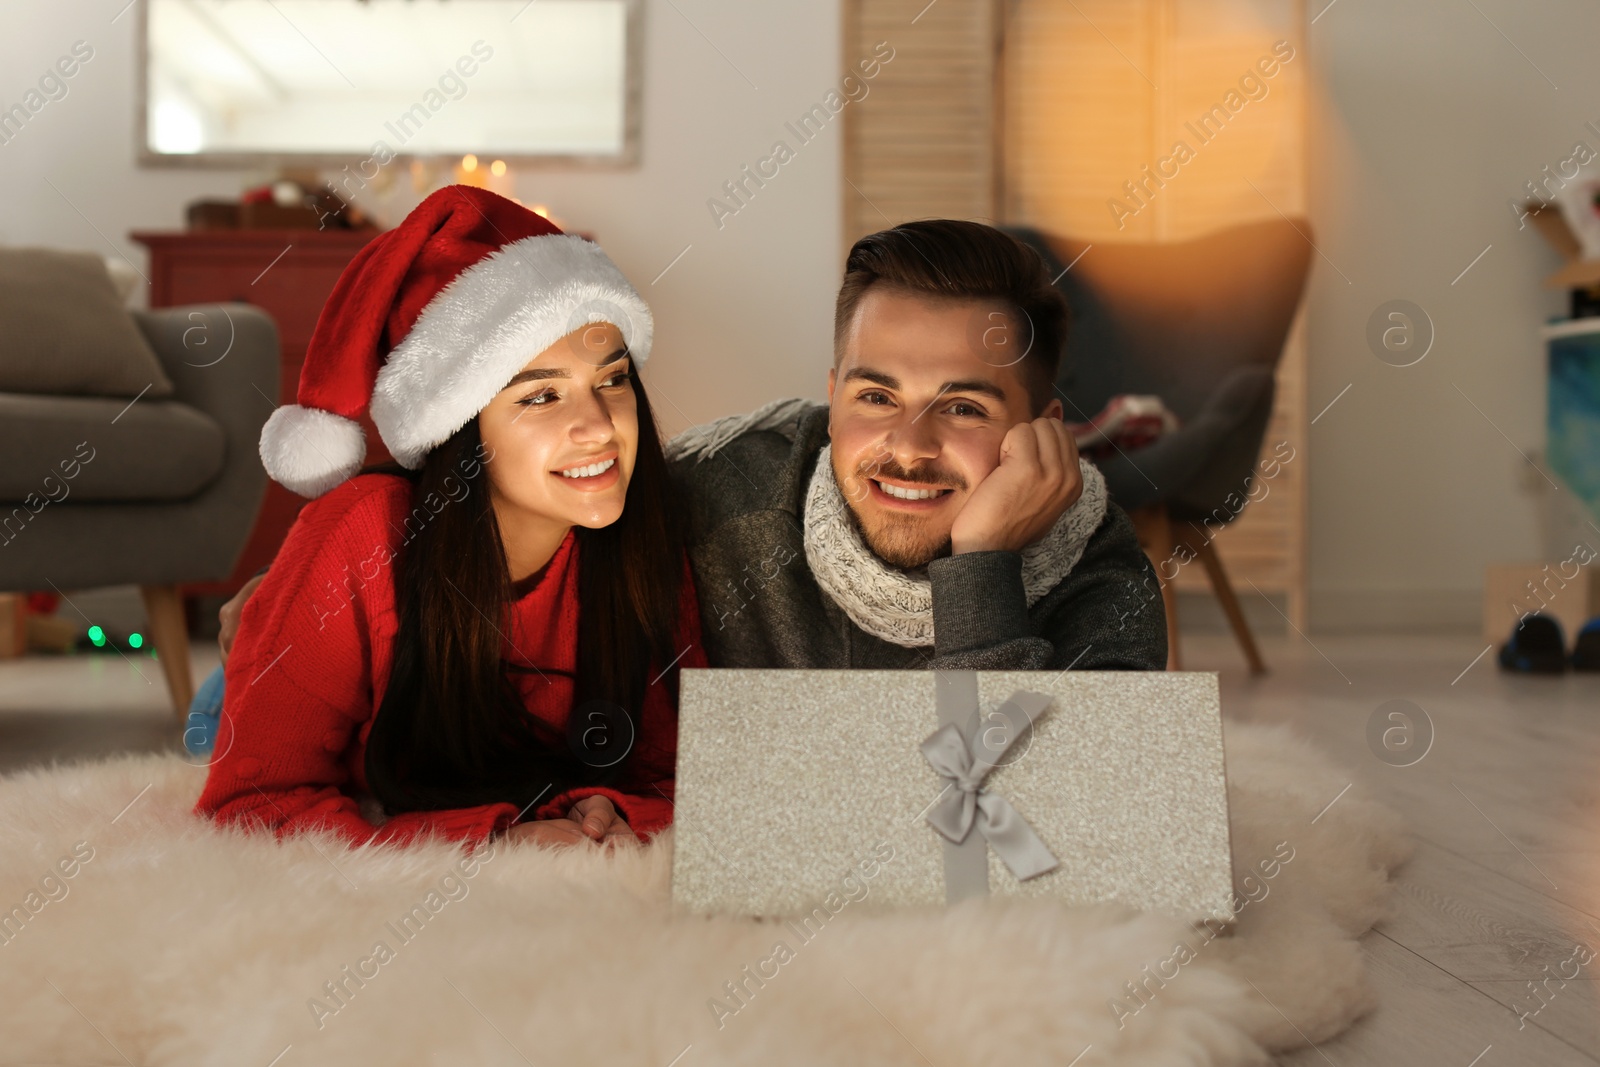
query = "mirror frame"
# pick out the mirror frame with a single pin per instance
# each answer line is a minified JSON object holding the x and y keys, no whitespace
{"x":633,"y":80}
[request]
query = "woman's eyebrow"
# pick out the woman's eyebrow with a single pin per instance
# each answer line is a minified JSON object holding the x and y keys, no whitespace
{"x":542,"y":373}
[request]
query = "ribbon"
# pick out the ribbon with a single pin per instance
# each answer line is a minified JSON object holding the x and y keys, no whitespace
{"x":964,"y":759}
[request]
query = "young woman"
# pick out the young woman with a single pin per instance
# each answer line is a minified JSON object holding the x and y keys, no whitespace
{"x":487,"y":638}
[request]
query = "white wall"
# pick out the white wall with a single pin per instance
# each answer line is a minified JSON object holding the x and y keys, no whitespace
{"x":1432,"y":120}
{"x":743,"y":317}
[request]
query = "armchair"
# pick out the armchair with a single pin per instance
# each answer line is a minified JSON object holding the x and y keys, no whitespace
{"x":1202,"y":324}
{"x":160,"y":492}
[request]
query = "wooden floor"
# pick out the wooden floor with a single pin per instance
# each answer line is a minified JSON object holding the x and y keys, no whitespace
{"x":71,"y":707}
{"x":1505,"y":805}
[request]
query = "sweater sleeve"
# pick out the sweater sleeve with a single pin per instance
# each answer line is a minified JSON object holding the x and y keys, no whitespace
{"x":1105,"y":615}
{"x":282,"y":769}
{"x":299,"y":688}
{"x":646,"y":803}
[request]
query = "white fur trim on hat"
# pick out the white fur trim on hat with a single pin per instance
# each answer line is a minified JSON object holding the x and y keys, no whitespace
{"x":485,"y":326}
{"x":309,"y":451}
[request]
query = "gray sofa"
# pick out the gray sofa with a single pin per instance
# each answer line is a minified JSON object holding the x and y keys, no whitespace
{"x":99,"y":491}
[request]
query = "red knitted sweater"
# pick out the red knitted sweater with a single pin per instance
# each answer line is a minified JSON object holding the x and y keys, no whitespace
{"x":307,"y":674}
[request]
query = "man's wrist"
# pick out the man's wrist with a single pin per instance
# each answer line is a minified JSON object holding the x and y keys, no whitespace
{"x":963,"y":547}
{"x":978,"y":600}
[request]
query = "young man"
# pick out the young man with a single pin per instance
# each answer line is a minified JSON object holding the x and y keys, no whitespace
{"x":935,"y":513}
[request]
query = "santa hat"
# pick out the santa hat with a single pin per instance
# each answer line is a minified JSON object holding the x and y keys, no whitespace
{"x":429,"y":321}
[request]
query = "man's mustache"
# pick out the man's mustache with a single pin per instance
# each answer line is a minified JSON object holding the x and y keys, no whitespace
{"x":915,"y":475}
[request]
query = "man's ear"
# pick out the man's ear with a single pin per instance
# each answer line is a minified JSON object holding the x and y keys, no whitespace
{"x":1054,"y":410}
{"x":833,"y":376}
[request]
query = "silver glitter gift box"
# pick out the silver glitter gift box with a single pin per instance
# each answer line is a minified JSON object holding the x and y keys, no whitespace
{"x":802,"y":788}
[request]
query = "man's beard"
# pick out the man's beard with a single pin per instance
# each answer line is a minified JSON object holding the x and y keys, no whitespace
{"x":902,"y":540}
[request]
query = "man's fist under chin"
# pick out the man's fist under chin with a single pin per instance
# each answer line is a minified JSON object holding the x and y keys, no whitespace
{"x":1037,"y":479}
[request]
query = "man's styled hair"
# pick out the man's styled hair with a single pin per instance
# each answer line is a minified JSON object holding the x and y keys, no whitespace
{"x":948,"y":259}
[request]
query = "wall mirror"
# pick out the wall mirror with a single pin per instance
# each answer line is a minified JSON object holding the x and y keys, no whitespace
{"x":269,"y":82}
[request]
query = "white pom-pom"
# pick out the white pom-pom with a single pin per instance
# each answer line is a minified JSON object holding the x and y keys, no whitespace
{"x":309,"y":451}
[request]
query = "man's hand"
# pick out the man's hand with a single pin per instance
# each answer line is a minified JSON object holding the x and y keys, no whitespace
{"x":229,"y":615}
{"x":1037,"y":479}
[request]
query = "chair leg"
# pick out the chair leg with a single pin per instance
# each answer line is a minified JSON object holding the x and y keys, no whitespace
{"x":1169,"y":602}
{"x":170,"y":632}
{"x":1230,"y":603}
{"x":1153,"y":527}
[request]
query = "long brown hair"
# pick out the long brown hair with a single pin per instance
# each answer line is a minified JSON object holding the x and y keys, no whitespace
{"x":452,"y":731}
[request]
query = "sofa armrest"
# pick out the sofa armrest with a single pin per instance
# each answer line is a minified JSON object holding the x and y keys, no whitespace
{"x":224,"y":360}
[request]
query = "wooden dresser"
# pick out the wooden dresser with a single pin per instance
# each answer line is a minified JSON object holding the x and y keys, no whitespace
{"x":288,"y":274}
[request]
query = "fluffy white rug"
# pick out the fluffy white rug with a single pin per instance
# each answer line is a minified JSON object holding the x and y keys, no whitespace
{"x":174,"y":941}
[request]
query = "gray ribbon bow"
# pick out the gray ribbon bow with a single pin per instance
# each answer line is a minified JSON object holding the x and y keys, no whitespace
{"x":955,"y":813}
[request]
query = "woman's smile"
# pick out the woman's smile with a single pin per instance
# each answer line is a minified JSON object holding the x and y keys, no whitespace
{"x":591,"y":475}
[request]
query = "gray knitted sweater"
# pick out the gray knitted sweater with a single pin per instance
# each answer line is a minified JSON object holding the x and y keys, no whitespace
{"x":761,"y":607}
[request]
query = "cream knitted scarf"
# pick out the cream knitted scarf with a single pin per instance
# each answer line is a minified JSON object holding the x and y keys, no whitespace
{"x":897,"y":605}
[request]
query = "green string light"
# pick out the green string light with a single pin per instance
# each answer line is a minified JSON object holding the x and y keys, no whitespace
{"x":97,"y":636}
{"x":135,"y":640}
